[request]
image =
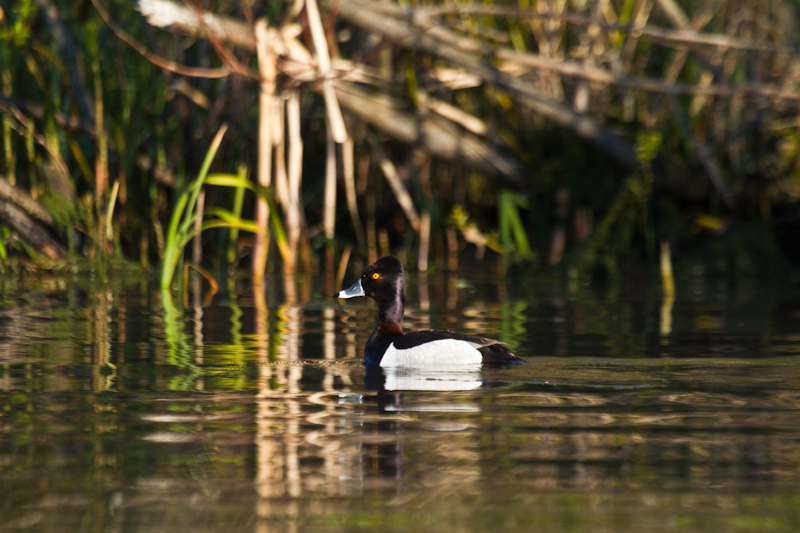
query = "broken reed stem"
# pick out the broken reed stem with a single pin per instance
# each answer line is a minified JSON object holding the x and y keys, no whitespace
{"x":704,"y":155}
{"x":397,"y":185}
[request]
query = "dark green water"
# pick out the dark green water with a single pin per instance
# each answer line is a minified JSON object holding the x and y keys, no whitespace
{"x":235,"y":416}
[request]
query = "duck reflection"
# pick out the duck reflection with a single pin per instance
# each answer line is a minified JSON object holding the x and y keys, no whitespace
{"x":422,"y":379}
{"x":383,"y":449}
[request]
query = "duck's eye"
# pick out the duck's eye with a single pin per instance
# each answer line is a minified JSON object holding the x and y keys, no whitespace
{"x":375,"y":275}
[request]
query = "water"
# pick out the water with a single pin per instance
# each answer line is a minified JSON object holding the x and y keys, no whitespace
{"x":242,"y":415}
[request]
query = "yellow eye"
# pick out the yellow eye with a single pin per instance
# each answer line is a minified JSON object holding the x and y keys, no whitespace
{"x":375,"y":275}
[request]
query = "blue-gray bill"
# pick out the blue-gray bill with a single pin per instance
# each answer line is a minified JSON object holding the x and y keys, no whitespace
{"x":351,"y":292}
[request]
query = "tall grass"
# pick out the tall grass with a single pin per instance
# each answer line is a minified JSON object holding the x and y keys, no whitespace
{"x":185,"y":214}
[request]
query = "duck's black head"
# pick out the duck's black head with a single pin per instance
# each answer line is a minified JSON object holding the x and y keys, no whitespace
{"x":383,"y":281}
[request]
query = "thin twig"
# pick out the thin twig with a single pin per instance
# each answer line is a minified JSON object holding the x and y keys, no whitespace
{"x":153,"y":58}
{"x":397,"y":185}
{"x":704,"y":156}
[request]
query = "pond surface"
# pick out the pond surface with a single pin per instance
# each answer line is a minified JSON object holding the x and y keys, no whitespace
{"x":246,"y":415}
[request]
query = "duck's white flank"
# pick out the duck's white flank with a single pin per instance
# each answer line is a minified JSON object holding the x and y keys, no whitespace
{"x":438,"y":353}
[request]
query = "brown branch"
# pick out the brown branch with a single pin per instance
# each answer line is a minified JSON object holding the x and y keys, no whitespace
{"x":223,"y":52}
{"x":168,"y":14}
{"x":21,"y":199}
{"x":439,"y":137}
{"x":159,"y":61}
{"x":16,"y":208}
{"x":704,"y":156}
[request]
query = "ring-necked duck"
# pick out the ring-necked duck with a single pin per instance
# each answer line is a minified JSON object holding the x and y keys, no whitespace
{"x":388,"y":346}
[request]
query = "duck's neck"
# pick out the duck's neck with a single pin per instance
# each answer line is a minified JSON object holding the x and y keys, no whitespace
{"x":390,"y":326}
{"x":390,"y":313}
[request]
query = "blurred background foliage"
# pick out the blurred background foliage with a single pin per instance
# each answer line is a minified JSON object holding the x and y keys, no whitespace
{"x":533,"y":133}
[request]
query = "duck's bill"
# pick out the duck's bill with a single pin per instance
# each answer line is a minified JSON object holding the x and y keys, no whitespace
{"x":351,"y":292}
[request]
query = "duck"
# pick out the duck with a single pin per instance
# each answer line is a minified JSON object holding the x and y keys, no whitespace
{"x":390,"y":347}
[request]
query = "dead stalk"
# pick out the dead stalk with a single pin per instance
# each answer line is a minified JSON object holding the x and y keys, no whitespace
{"x":424,"y":241}
{"x":294,"y":208}
{"x":335,"y":119}
{"x":348,"y":172}
{"x":266,"y":63}
{"x":329,"y":215}
{"x":398,"y":187}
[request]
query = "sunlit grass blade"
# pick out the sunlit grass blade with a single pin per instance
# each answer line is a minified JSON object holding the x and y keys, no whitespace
{"x":238,"y":203}
{"x":181,"y":222}
{"x":181,"y":229}
{"x":231,"y":180}
{"x":511,"y":227}
{"x":112,"y":203}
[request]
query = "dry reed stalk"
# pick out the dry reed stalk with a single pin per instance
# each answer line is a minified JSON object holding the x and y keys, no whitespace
{"x":469,"y":122}
{"x":665,"y":261}
{"x":348,"y":173}
{"x":397,"y":185}
{"x":641,"y":14}
{"x":281,"y":175}
{"x":160,"y":242}
{"x":668,"y":286}
{"x":549,"y":33}
{"x":383,"y":242}
{"x":424,"y":241}
{"x":372,"y":229}
{"x":329,"y":208}
{"x":329,"y":213}
{"x":101,"y":161}
{"x":266,"y":63}
{"x":343,"y":261}
{"x":261,"y":329}
{"x":323,"y":60}
{"x":452,"y":248}
{"x":283,"y":196}
{"x":294,"y":208}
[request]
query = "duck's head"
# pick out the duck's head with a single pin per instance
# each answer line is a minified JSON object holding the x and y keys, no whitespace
{"x":383,"y":281}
